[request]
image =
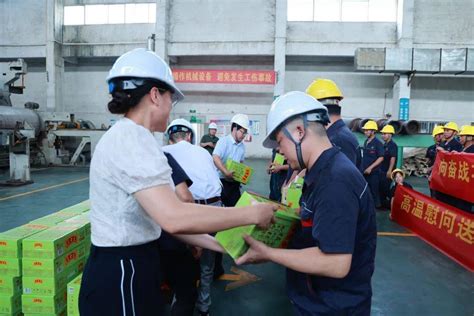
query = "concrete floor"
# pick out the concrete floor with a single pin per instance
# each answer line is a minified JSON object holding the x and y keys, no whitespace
{"x":411,"y":277}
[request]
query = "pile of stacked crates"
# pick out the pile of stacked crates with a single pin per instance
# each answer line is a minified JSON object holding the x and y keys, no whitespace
{"x":50,"y":252}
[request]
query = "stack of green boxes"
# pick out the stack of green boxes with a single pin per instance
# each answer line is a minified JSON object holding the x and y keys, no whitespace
{"x":10,"y":266}
{"x":241,"y":173}
{"x":51,"y":259}
{"x":277,"y":236}
{"x":73,"y":296}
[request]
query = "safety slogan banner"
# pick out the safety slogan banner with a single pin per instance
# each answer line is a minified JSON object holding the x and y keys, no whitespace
{"x":444,"y":227}
{"x":265,"y":77}
{"x":453,"y":174}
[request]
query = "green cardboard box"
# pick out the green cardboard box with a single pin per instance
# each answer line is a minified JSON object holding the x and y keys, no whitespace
{"x":73,"y":289}
{"x":45,"y":267}
{"x":62,"y":313}
{"x":10,"y":304}
{"x":83,"y":218}
{"x":55,"y":241}
{"x":279,"y":159}
{"x":11,"y":240}
{"x":10,"y":267}
{"x":10,"y":285}
{"x":277,"y":236}
{"x":55,"y":218}
{"x":242,"y":173}
{"x":38,"y":285}
{"x":44,"y":304}
{"x":79,"y":207}
{"x":293,"y":194}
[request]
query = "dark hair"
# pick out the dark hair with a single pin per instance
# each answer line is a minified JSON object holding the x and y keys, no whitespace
{"x":235,"y":125}
{"x":175,"y":137}
{"x":333,"y":109}
{"x":123,"y":100}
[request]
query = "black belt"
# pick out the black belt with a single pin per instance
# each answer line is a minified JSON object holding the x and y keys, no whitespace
{"x":208,"y":201}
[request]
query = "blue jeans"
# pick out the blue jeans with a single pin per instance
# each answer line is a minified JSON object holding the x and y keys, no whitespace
{"x":207,"y":274}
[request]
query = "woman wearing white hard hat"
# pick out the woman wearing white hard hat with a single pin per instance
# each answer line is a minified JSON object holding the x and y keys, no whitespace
{"x":209,"y":141}
{"x":132,"y":196}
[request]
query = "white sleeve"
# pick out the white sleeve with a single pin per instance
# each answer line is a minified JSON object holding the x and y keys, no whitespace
{"x":138,"y":162}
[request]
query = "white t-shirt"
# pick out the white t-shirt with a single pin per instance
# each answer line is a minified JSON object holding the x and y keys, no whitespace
{"x":127,"y":159}
{"x":200,"y":168}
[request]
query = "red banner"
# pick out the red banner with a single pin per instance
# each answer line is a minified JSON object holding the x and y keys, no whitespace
{"x":453,"y":174}
{"x":446,"y":228}
{"x":267,"y":77}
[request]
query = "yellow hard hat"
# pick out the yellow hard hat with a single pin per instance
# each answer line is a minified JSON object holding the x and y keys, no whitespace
{"x":388,"y":129}
{"x":467,"y":130}
{"x":324,"y":89}
{"x":370,"y":125}
{"x":394,"y":172}
{"x":438,"y":130}
{"x":451,"y":125}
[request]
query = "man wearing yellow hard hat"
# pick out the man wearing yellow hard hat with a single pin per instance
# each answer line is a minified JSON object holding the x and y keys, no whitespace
{"x":438,"y":133}
{"x":372,"y":157}
{"x":388,"y":164}
{"x":467,"y":139}
{"x":451,"y":143}
{"x":328,"y":93}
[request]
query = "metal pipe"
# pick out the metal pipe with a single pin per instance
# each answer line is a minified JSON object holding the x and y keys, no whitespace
{"x":9,"y":116}
{"x":410,"y":127}
{"x":151,"y":43}
{"x":397,"y":126}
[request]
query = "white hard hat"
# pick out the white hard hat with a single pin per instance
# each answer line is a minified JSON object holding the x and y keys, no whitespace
{"x":213,"y":126}
{"x":180,"y":125}
{"x":144,"y":64}
{"x":290,"y":105}
{"x":242,"y":120}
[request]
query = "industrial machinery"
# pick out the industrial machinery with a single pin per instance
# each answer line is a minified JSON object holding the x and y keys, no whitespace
{"x":18,"y":126}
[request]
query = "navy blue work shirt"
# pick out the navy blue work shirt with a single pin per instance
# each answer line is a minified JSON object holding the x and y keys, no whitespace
{"x":166,"y":241}
{"x":469,"y":150}
{"x":431,"y":154}
{"x":390,"y":149}
{"x":338,"y":216}
{"x":341,"y":136}
{"x":370,"y":152}
{"x":452,"y":145}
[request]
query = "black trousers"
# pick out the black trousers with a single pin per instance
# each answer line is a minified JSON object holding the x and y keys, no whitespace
{"x":373,"y":180}
{"x":122,"y":281}
{"x":384,"y":189}
{"x":230,"y":192}
{"x":181,"y":271}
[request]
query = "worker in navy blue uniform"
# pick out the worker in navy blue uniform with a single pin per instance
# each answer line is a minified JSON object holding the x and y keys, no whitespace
{"x":372,"y":158}
{"x":438,"y":132}
{"x":328,"y":93}
{"x":451,"y":143}
{"x":179,"y":263}
{"x":466,"y":138}
{"x":331,"y":260}
{"x":389,"y":163}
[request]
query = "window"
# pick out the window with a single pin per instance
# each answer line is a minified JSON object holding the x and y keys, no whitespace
{"x":110,"y":14}
{"x":343,"y":10}
{"x":74,"y":15}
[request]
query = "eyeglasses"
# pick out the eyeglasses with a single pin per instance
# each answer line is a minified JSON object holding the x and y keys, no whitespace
{"x":243,"y":133}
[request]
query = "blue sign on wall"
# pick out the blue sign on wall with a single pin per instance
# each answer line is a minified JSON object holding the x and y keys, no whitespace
{"x":404,"y":111}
